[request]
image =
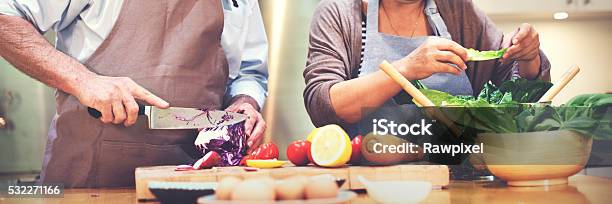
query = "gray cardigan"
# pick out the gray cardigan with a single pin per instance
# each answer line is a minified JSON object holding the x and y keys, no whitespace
{"x":335,"y":45}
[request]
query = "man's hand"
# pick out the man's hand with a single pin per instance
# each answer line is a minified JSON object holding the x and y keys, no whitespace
{"x":115,"y":98}
{"x":255,"y":126}
{"x":28,"y":51}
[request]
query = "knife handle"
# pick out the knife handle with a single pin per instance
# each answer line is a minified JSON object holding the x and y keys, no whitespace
{"x":96,"y":114}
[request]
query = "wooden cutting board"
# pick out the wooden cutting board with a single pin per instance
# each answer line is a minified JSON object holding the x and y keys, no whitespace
{"x":438,"y":175}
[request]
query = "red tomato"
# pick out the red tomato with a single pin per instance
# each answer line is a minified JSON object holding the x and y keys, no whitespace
{"x":309,"y":155}
{"x":356,"y":154}
{"x":209,"y":160}
{"x":266,"y":151}
{"x":243,"y":160}
{"x":297,"y":152}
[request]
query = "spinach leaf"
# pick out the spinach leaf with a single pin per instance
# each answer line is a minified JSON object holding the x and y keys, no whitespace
{"x":504,"y":110}
{"x":525,"y":91}
{"x":589,"y":114}
{"x":418,"y":84}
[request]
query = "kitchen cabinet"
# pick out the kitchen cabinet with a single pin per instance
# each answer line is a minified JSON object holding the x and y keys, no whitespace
{"x":504,"y":7}
{"x":26,"y":106}
{"x":594,"y":5}
{"x":547,"y":7}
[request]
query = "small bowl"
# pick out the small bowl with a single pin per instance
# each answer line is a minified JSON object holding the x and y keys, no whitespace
{"x":181,"y":192}
{"x":397,"y":191}
{"x":535,"y":158}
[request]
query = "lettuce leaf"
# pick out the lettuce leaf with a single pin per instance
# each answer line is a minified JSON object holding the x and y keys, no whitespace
{"x":475,"y":55}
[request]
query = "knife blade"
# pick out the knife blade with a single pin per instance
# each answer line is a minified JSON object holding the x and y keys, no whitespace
{"x":183,"y":118}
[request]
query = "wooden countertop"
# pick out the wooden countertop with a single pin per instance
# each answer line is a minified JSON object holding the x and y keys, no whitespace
{"x":581,"y":189}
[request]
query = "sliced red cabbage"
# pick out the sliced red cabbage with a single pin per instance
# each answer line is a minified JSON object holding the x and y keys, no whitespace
{"x":228,"y":141}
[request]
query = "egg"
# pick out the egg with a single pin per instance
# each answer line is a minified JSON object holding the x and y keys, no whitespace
{"x":225,"y":187}
{"x":254,"y":190}
{"x":321,"y":187}
{"x":266,"y":180}
{"x":291,"y":188}
{"x":302,"y":179}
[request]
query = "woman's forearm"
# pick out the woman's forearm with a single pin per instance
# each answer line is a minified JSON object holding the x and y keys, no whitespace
{"x":350,"y":97}
{"x":530,"y":69}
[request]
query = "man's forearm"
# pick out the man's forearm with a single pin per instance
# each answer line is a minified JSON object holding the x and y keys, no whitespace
{"x":27,"y":50}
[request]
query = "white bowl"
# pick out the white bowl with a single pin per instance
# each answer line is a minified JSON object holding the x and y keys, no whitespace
{"x":397,"y":191}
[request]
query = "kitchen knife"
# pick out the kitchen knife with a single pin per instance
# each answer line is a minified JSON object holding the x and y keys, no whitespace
{"x":183,"y":118}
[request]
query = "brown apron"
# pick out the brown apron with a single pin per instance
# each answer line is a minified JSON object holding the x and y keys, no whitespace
{"x":170,"y":47}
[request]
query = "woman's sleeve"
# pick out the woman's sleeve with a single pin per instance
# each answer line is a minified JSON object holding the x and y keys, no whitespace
{"x":325,"y":65}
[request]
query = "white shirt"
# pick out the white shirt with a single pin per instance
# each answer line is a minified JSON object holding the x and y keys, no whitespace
{"x":82,"y":25}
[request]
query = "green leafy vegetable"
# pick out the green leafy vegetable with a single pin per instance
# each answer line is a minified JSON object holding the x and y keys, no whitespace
{"x":510,"y":109}
{"x":418,"y":84}
{"x":510,"y":93}
{"x":589,"y":114}
{"x":475,"y":55}
{"x":525,"y":91}
{"x":437,"y":97}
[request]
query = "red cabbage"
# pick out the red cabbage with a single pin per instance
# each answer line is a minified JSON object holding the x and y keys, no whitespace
{"x":228,"y":141}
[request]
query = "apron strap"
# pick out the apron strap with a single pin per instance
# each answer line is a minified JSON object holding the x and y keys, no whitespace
{"x":372,"y":17}
{"x":431,"y":10}
{"x":435,"y":20}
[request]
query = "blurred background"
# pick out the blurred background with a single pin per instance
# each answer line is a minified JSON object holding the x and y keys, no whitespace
{"x":572,"y":32}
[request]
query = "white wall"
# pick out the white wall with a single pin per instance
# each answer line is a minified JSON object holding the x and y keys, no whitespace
{"x":583,"y":41}
{"x":29,"y":112}
{"x":287,"y":25}
{"x":586,"y":42}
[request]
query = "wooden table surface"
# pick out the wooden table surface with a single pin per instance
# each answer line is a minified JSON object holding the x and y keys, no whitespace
{"x":581,"y":189}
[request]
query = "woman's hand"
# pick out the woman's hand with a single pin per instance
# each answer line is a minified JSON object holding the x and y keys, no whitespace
{"x":524,"y":47}
{"x":435,"y":56}
{"x":524,"y":44}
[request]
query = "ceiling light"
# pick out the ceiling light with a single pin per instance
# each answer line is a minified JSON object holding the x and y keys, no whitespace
{"x":561,"y":15}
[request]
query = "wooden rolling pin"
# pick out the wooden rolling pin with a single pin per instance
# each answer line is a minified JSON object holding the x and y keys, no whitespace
{"x":555,"y":89}
{"x":418,"y":96}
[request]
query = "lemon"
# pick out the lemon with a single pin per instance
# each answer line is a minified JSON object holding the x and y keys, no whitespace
{"x":312,"y":134}
{"x":265,"y":163}
{"x":331,"y":146}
